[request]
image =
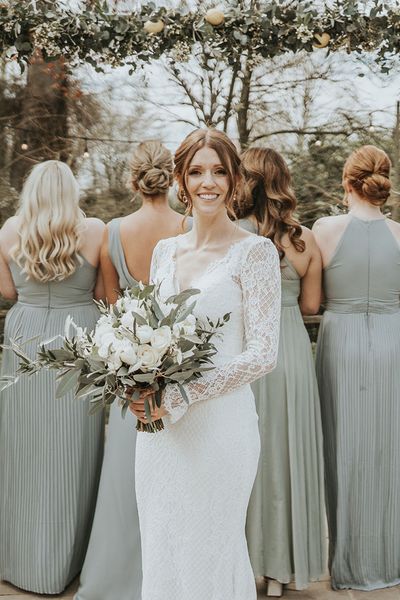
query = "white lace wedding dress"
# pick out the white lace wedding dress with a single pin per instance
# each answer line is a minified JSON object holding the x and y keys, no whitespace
{"x":194,"y":479}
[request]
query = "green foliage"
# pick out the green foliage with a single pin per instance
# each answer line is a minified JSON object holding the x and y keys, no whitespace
{"x":101,"y":36}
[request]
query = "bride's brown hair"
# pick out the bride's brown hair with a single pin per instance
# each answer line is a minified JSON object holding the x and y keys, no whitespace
{"x":227,"y":153}
{"x":268,"y":195}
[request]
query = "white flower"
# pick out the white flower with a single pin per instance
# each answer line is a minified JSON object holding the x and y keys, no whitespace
{"x":78,"y":332}
{"x":107,"y":340}
{"x":187,"y":326}
{"x":114,"y":362}
{"x":131,"y":304}
{"x":127,"y":320}
{"x":148,"y":356}
{"x":103,"y":331}
{"x":128,"y":353}
{"x":120,"y":303}
{"x":161,"y":339}
{"x":144,"y":333}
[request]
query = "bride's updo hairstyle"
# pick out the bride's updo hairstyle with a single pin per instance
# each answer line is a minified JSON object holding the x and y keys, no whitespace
{"x":151,"y":168}
{"x":367,"y":170}
{"x":268,"y":195}
{"x":51,"y":223}
{"x":227,"y":153}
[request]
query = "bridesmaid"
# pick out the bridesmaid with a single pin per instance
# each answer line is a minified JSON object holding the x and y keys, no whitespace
{"x":359,"y":378}
{"x":50,"y":448}
{"x":112,"y":568}
{"x":285,"y":524}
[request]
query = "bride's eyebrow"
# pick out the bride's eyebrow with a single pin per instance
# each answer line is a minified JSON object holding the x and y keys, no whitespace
{"x":202,"y":166}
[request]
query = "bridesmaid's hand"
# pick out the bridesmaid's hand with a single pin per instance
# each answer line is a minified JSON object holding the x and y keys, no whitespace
{"x":137,"y":407}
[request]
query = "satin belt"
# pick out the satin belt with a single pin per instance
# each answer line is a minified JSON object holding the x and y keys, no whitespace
{"x":42,"y":304}
{"x":290,"y":302}
{"x":362,"y":308}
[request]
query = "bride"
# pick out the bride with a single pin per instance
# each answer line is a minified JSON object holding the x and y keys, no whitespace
{"x":193,"y":480}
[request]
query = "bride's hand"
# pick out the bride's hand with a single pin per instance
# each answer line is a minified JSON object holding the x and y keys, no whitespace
{"x":137,"y":407}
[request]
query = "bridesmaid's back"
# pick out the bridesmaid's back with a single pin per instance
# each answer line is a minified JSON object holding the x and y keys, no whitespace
{"x":76,"y":289}
{"x":364,"y":272}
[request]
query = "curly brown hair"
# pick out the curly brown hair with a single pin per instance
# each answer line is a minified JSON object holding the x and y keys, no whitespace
{"x":267,"y":194}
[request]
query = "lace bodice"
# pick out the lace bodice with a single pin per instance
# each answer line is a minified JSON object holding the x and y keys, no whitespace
{"x":245,"y":282}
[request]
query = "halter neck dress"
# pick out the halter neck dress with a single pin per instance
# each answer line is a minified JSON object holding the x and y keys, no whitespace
{"x":286,"y":515}
{"x":50,"y":448}
{"x":359,"y":381}
{"x":113,"y":566}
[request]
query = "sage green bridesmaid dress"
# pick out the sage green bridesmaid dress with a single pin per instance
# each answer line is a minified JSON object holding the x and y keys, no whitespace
{"x":113,"y":564}
{"x":286,"y":515}
{"x":359,"y":381}
{"x":50,"y":448}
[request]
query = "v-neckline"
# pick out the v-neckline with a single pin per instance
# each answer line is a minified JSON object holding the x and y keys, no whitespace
{"x":210,"y":267}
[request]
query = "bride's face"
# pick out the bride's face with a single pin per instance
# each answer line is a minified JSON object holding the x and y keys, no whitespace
{"x":207,"y":182}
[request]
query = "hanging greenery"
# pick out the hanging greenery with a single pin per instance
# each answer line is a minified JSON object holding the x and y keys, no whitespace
{"x":101,"y":36}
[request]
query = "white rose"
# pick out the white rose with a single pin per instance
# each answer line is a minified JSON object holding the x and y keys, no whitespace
{"x":185,"y":327}
{"x":127,"y":320}
{"x":101,"y":331}
{"x":148,"y":356}
{"x":114,"y":362}
{"x":144,"y":333}
{"x":176,"y":330}
{"x":162,"y":338}
{"x":107,"y":340}
{"x":129,"y":354}
{"x":131,"y":304}
{"x":189,"y":325}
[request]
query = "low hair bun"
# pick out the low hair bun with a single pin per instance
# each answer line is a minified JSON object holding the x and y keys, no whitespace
{"x":154,"y":181}
{"x":367,"y":170}
{"x":376,"y":188}
{"x":151,"y":168}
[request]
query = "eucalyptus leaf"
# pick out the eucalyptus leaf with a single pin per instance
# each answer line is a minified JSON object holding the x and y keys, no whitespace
{"x":144,"y":378}
{"x":182,"y":296}
{"x":183,"y":393}
{"x":85,"y":391}
{"x":68,"y":381}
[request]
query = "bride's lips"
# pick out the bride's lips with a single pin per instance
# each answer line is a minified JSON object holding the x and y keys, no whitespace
{"x":208,"y":197}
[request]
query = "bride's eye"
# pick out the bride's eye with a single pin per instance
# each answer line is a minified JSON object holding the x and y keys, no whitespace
{"x":194,"y":172}
{"x":221,"y":172}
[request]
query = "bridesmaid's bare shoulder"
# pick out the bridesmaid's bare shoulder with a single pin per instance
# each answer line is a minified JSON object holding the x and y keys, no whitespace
{"x":394,"y":227}
{"x":333,"y":223}
{"x":9,"y":233}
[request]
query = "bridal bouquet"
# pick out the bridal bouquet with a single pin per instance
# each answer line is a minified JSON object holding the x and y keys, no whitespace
{"x":138,"y":343}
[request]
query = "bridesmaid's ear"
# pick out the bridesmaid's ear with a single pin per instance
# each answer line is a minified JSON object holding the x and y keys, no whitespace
{"x":346,"y":186}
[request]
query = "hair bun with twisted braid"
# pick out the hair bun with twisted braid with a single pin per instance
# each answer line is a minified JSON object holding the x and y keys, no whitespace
{"x":367,"y":170}
{"x":151,"y":168}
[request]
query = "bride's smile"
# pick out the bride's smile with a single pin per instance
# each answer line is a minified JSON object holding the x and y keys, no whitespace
{"x":207,"y":182}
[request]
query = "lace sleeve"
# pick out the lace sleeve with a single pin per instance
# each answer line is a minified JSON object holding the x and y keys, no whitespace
{"x":261,"y":288}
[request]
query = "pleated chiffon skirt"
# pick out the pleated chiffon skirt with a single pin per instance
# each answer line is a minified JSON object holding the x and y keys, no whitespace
{"x":286,"y":516}
{"x":50,"y":459}
{"x":359,"y":379}
{"x":113,"y":565}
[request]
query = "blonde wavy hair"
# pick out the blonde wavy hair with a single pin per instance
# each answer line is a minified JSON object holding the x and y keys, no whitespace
{"x":51,"y":223}
{"x":151,"y":168}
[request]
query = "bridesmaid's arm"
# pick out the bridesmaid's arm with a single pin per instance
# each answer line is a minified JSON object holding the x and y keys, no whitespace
{"x":108,"y":272}
{"x":7,"y":287}
{"x":310,"y":295}
{"x":99,"y":291}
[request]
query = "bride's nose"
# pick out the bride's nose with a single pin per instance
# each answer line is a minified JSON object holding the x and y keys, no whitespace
{"x":208,"y":180}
